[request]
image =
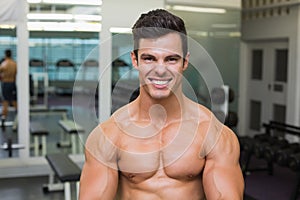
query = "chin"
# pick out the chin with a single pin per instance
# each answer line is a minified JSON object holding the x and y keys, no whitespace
{"x":160,"y":95}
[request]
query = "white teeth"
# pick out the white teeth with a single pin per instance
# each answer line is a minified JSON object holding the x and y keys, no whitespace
{"x":158,"y":82}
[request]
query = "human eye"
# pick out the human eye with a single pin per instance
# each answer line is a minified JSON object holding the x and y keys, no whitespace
{"x":148,"y":58}
{"x":172,"y":59}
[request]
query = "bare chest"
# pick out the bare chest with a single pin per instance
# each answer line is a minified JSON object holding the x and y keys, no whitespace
{"x":173,"y":152}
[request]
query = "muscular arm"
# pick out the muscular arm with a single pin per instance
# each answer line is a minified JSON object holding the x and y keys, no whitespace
{"x":99,"y":177}
{"x":222,"y":176}
{"x":97,"y":181}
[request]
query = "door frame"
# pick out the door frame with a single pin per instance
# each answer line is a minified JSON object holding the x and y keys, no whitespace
{"x":245,"y":70}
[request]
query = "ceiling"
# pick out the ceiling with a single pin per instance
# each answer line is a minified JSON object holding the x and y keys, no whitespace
{"x":84,"y":15}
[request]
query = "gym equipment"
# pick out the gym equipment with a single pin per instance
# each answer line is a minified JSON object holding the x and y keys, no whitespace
{"x":71,"y":128}
{"x":6,"y":123}
{"x":282,"y":155}
{"x":256,"y":147}
{"x":277,"y":150}
{"x":230,"y":95}
{"x":246,"y":145}
{"x":36,"y":65}
{"x":38,"y":73}
{"x":65,"y":76}
{"x":90,"y":70}
{"x":38,"y":131}
{"x":294,"y":162}
{"x":218,"y":95}
{"x":272,"y":150}
{"x":37,"y":77}
{"x":66,"y":171}
{"x":9,"y":147}
{"x":286,"y":155}
{"x":231,"y":119}
{"x":219,"y":101}
{"x":261,"y":141}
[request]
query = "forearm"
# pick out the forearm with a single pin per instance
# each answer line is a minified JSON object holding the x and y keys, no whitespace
{"x":224,"y":185}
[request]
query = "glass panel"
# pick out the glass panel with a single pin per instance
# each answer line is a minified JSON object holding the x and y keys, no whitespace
{"x":281,"y":65}
{"x":279,"y":116}
{"x":257,"y":64}
{"x":279,"y":113}
{"x":8,"y":122}
{"x":125,"y":81}
{"x":213,"y":31}
{"x":56,"y":64}
{"x":255,"y":115}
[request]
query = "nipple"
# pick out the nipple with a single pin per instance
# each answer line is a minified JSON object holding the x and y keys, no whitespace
{"x":131,"y":176}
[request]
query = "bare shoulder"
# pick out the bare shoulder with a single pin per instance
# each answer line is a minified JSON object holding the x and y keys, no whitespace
{"x":102,"y":143}
{"x":228,"y":141}
{"x":226,"y":146}
{"x":112,"y":128}
{"x":217,"y":139}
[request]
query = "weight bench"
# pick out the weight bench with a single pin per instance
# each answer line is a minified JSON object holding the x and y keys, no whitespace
{"x":9,"y":146}
{"x":66,"y":171}
{"x":71,"y":128}
{"x":38,"y":131}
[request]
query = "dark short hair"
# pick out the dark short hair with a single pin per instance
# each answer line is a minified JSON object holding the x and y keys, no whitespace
{"x":8,"y":53}
{"x":157,"y":23}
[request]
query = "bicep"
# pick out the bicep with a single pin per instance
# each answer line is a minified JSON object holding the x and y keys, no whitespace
{"x":99,"y":178}
{"x":97,"y":181}
{"x":222,"y":176}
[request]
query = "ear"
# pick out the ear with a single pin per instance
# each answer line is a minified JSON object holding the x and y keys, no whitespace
{"x":186,"y":61}
{"x":134,"y":60}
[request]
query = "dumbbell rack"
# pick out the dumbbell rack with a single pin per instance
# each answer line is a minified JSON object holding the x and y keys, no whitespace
{"x":274,"y":149}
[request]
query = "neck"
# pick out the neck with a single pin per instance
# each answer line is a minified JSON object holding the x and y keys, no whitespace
{"x":169,"y":109}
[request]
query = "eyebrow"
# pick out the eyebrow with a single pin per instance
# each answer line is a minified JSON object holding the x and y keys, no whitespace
{"x":147,"y":55}
{"x":169,"y":56}
{"x":174,"y":56}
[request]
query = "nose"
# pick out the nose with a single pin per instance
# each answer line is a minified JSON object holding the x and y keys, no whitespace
{"x":160,"y":69}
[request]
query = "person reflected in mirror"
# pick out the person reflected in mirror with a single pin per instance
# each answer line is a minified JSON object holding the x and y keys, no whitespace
{"x":8,"y":73}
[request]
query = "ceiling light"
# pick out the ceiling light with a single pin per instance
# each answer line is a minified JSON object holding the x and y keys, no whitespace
{"x":64,"y":26}
{"x":57,"y":17}
{"x":120,"y":30}
{"x":49,"y":16}
{"x":34,"y":1}
{"x":224,"y":25}
{"x":7,"y":26}
{"x":199,"y":9}
{"x":75,"y":2}
{"x":88,"y":17}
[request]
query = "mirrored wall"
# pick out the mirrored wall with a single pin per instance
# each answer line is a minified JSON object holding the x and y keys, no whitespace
{"x":64,"y":75}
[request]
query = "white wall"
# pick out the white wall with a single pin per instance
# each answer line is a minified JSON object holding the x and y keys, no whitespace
{"x":275,"y":28}
{"x":214,"y":3}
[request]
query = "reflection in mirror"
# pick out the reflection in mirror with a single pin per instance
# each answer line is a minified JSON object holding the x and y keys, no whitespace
{"x":9,"y":145}
{"x":125,"y":81}
{"x":56,"y":64}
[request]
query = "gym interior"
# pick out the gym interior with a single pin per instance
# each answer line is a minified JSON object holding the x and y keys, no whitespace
{"x":74,"y":71}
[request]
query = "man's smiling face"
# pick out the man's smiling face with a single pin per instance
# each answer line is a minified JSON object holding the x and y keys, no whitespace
{"x":160,"y":64}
